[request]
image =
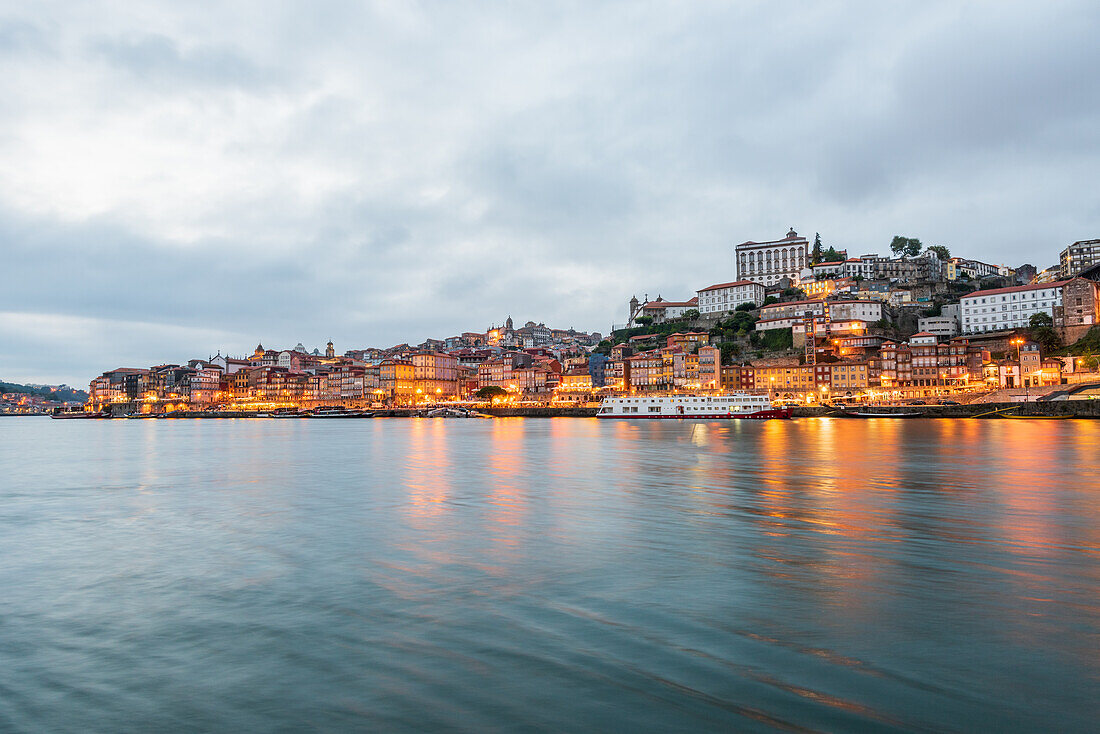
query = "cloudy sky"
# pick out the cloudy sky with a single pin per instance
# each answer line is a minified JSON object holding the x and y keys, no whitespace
{"x":178,"y":178}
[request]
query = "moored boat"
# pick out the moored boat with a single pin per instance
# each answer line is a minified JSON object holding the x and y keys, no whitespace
{"x":75,"y":415}
{"x":454,"y":413}
{"x":339,"y":412}
{"x":732,"y":405}
{"x":879,"y":414}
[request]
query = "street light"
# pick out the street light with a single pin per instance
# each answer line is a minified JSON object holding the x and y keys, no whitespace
{"x":1019,"y":361}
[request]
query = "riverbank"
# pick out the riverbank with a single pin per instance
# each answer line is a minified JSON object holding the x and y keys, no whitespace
{"x":1053,"y":409}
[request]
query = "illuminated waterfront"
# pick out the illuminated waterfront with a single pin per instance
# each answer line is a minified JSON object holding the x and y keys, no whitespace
{"x":562,"y":574}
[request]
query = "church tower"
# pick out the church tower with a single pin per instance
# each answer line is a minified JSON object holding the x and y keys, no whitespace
{"x":330,"y":351}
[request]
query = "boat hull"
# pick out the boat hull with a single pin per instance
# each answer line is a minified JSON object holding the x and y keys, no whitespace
{"x":774,"y":413}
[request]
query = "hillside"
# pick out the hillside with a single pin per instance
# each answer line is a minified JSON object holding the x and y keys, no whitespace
{"x":53,"y":392}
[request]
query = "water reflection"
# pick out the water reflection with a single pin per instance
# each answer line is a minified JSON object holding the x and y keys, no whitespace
{"x":405,"y":575}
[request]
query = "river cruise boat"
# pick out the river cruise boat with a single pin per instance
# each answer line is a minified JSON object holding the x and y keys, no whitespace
{"x":733,"y":405}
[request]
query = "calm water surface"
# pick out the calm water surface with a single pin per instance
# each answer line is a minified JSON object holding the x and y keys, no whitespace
{"x":549,"y":575}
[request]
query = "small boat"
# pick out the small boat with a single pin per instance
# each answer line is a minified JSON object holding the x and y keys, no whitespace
{"x":288,"y":413}
{"x":1036,"y":417}
{"x":75,"y":415}
{"x":453,"y":413}
{"x":883,"y":414}
{"x":339,"y":412}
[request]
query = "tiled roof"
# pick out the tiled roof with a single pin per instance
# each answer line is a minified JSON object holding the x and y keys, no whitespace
{"x":1016,"y":288}
{"x":727,"y":285}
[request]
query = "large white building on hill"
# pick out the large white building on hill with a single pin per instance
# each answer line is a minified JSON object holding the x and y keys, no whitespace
{"x":767,"y":263}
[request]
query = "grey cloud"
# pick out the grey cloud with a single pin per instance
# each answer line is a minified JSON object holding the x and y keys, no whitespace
{"x":20,"y":36}
{"x":460,"y":164}
{"x":159,"y":59}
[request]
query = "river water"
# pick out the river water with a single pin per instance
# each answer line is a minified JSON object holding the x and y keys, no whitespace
{"x":549,"y":575}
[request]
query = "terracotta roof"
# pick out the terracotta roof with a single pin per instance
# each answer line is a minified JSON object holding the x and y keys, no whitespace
{"x":922,"y":333}
{"x":833,"y":262}
{"x":1016,"y":288}
{"x":727,"y":285}
{"x":666,"y":304}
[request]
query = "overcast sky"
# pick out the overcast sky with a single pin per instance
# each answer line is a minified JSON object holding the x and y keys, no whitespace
{"x":182,"y":177}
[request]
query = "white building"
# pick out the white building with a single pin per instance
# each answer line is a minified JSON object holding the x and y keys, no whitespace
{"x":943,"y":327}
{"x":723,"y":297}
{"x":769,"y":262}
{"x":1008,"y":308}
{"x":974,"y":268}
{"x":661,"y":311}
{"x":785,"y":315}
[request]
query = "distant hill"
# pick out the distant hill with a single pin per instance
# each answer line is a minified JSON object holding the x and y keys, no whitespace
{"x":54,"y":392}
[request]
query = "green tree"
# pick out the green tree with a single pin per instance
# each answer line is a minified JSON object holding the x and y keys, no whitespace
{"x":644,"y":320}
{"x":905,"y":246}
{"x":691,"y":314}
{"x":941,"y":252}
{"x":774,"y":340}
{"x":770,"y":300}
{"x":1045,"y":335}
{"x":831,"y":256}
{"x":749,"y":306}
{"x":742,"y":322}
{"x":1039,"y":320}
{"x":815,"y":254}
{"x":490,"y":393}
{"x":729,"y":351}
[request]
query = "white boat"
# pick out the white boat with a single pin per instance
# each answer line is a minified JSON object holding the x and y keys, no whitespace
{"x":733,"y":405}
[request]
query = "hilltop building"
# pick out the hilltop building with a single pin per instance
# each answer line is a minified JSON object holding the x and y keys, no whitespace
{"x":767,"y":263}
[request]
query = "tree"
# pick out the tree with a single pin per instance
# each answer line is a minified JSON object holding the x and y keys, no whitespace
{"x":748,"y":306}
{"x":729,"y":351}
{"x":770,"y":300}
{"x":815,"y":254}
{"x":905,"y":246}
{"x":1039,"y":320}
{"x":1047,"y":337}
{"x":490,"y":393}
{"x":644,"y":320}
{"x":831,"y":256}
{"x":742,"y":322}
{"x":691,"y":314}
{"x":941,"y":252}
{"x":773,"y":340}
